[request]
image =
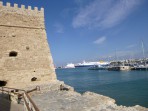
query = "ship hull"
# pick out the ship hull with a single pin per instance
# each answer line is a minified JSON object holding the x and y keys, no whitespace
{"x":84,"y":66}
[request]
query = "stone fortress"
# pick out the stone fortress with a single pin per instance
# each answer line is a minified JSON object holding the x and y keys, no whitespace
{"x":25,"y":57}
{"x":25,"y":61}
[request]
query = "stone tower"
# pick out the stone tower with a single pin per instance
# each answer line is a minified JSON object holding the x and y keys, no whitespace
{"x":25,"y":56}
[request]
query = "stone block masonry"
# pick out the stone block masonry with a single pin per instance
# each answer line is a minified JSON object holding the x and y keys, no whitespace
{"x":25,"y":57}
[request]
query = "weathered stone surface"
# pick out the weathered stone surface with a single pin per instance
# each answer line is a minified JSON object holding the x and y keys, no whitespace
{"x":23,"y":31}
{"x":50,"y":98}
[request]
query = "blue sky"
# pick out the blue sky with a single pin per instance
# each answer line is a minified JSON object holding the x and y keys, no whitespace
{"x":93,"y":30}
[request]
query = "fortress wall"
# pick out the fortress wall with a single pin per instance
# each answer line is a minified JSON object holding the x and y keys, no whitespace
{"x":23,"y":17}
{"x":23,"y":31}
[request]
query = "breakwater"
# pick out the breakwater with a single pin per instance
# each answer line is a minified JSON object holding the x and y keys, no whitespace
{"x":119,"y":85}
{"x":51,"y":98}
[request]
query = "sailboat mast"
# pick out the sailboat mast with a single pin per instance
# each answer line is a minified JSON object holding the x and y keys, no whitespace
{"x":116,"y":55}
{"x":143,"y":52}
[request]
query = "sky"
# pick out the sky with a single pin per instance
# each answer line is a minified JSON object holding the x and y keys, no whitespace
{"x":94,"y":30}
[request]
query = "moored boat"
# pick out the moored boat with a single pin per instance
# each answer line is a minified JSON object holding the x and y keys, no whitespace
{"x":70,"y":65}
{"x":119,"y":68}
{"x":141,"y":68}
{"x":98,"y":67}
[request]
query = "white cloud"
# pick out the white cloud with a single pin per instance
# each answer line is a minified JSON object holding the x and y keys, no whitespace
{"x":59,"y":28}
{"x":100,"y":40}
{"x":104,"y":13}
{"x":131,"y":46}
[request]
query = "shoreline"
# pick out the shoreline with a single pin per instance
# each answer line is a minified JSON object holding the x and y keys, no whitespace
{"x":51,"y":98}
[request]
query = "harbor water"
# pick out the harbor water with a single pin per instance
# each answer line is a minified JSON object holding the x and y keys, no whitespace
{"x":128,"y":88}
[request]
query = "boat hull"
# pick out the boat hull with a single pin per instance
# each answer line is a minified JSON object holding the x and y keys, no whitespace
{"x":84,"y":66}
{"x":140,"y":68}
{"x":119,"y":68}
{"x":99,"y":68}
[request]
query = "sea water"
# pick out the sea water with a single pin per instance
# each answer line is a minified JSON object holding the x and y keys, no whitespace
{"x":128,"y":88}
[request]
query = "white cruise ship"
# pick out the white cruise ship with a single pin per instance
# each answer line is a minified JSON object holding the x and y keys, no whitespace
{"x":89,"y":64}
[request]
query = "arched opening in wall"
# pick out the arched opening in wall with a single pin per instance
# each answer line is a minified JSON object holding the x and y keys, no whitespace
{"x":33,"y":79}
{"x":3,"y":83}
{"x":13,"y":54}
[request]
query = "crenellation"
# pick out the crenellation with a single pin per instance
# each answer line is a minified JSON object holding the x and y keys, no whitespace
{"x":8,"y":4}
{"x":15,"y":5}
{"x":22,"y":6}
{"x":29,"y":7}
{"x":36,"y":8}
{"x":42,"y":9}
{"x":1,"y":3}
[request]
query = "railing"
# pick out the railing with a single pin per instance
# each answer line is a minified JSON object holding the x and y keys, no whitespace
{"x":29,"y":105}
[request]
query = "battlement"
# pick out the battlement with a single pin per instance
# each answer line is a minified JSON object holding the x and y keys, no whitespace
{"x":15,"y":16}
{"x":23,"y":7}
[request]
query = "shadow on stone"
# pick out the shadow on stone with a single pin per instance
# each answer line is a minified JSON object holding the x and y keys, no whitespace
{"x":63,"y":88}
{"x":5,"y":103}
